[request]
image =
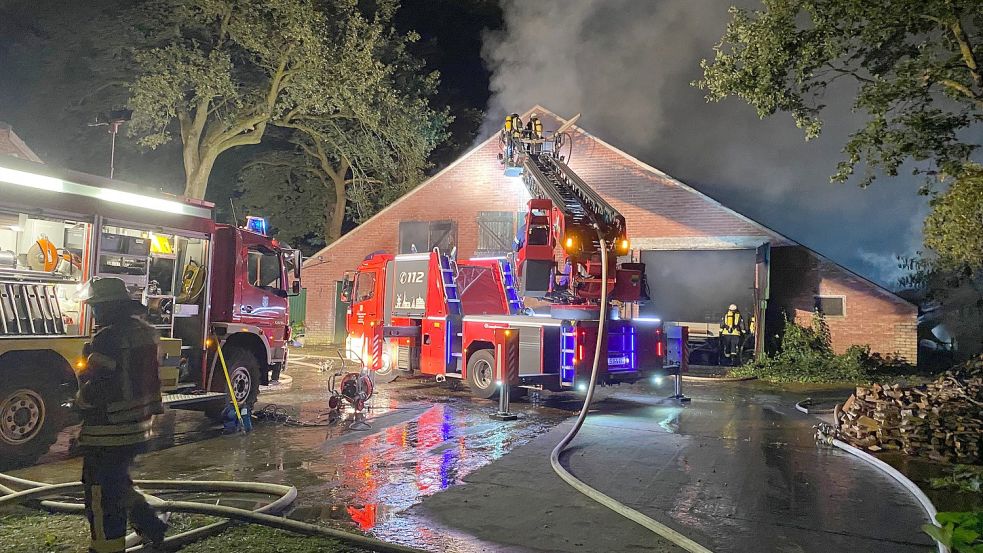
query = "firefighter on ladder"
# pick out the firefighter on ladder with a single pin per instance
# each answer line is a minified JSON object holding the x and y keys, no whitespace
{"x":119,"y":392}
{"x":731,"y":334}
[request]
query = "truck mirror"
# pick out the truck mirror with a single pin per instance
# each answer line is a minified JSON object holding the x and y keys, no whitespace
{"x":298,"y":261}
{"x":346,"y":288}
{"x":295,"y":288}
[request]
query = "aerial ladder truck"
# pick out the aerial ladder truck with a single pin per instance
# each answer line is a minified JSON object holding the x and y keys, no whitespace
{"x":467,"y":319}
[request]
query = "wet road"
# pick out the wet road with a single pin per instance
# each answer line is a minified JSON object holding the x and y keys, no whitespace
{"x":737,"y":470}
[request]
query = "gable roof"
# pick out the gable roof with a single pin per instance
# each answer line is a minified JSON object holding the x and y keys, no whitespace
{"x":660,"y":175}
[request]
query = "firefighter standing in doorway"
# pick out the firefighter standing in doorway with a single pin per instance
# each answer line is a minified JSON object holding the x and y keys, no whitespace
{"x":119,"y":392}
{"x":731,"y":334}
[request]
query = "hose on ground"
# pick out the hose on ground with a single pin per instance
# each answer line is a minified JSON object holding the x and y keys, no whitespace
{"x":264,"y":515}
{"x":609,"y":502}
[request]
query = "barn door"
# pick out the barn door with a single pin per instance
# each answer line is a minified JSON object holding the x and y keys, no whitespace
{"x":496,"y":232}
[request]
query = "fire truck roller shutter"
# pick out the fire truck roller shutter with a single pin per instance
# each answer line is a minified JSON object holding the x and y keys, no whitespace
{"x":694,"y":287}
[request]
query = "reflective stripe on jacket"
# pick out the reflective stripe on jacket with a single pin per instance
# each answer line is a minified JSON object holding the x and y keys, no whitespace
{"x":119,"y":391}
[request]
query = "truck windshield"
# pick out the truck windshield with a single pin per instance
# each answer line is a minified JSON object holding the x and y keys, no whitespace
{"x":364,"y":286}
{"x":264,"y":269}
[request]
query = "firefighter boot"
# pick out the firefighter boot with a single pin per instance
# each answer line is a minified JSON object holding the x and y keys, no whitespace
{"x":145,"y":519}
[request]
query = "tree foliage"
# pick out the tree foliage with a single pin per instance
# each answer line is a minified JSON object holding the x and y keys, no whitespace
{"x":915,"y":63}
{"x":954,"y":228}
{"x":365,"y":155}
{"x":219,"y":73}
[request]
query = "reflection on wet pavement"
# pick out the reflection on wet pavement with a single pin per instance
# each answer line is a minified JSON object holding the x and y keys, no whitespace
{"x":420,"y":438}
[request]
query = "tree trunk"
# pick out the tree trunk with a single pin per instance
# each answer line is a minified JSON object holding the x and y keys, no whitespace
{"x":335,"y":215}
{"x":196,"y":182}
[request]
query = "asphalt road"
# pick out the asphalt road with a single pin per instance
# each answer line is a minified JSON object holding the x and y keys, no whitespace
{"x":737,"y":470}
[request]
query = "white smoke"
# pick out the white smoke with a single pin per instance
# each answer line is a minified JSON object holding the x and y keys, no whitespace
{"x":627,"y":66}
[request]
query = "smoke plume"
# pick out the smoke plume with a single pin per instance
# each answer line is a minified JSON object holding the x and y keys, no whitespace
{"x":628,"y":64}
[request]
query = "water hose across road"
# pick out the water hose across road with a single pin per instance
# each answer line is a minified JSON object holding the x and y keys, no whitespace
{"x":609,"y":502}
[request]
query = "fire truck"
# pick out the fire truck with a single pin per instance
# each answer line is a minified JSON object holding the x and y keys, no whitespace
{"x":433,"y":314}
{"x":205,"y":284}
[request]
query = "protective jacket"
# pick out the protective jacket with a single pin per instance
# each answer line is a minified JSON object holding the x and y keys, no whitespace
{"x":119,"y":389}
{"x":732,"y":325}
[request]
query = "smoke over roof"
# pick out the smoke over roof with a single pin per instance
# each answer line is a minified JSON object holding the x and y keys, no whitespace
{"x":627,"y":65}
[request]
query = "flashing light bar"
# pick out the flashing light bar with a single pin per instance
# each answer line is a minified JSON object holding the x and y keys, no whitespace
{"x":257,"y":225}
{"x":52,"y":184}
{"x":647,"y":320}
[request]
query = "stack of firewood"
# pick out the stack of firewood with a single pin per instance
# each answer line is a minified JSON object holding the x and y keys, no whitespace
{"x":942,"y":421}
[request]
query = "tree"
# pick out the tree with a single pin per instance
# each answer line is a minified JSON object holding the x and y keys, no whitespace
{"x":223,"y":70}
{"x":368,"y":151}
{"x":954,"y":228}
{"x":915,"y":64}
{"x":283,"y":186}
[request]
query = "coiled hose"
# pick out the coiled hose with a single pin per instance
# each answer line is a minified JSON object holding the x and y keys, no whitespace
{"x":264,"y":515}
{"x":609,"y":502}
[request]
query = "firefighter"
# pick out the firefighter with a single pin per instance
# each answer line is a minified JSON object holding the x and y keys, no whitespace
{"x":731,"y":332}
{"x":119,"y":392}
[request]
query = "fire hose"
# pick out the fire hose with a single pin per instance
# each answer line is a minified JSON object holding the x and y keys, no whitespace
{"x":605,"y":500}
{"x":264,"y":515}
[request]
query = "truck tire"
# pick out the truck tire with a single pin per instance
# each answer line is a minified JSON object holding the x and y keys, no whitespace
{"x":31,"y":416}
{"x":388,"y":372}
{"x":481,"y":374}
{"x":244,"y":373}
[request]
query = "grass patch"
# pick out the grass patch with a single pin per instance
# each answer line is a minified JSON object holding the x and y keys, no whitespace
{"x":806,"y":355}
{"x":26,"y":531}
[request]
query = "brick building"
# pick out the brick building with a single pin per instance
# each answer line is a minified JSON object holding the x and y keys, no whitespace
{"x":699,"y":254}
{"x":12,"y":145}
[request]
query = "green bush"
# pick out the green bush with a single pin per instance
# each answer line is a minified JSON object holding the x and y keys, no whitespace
{"x":806,"y":355}
{"x":960,"y":532}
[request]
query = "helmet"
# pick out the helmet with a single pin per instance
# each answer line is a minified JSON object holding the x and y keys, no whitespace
{"x":732,"y":307}
{"x":104,"y":290}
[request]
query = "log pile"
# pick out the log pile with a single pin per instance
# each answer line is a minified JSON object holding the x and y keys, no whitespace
{"x":942,"y":420}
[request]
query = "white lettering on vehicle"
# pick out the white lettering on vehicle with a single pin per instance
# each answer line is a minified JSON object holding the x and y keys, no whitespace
{"x":411,"y":277}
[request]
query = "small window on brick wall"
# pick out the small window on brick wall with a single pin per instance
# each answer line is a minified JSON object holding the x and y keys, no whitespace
{"x":831,"y":306}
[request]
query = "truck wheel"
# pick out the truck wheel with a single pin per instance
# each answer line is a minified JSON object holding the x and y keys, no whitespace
{"x":244,"y":373}
{"x":30,"y":419}
{"x":481,"y":374}
{"x":388,"y":372}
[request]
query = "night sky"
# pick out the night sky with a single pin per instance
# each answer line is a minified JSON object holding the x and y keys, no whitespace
{"x":626,"y":64}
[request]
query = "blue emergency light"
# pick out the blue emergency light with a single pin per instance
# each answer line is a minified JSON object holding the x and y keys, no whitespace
{"x":256,"y":224}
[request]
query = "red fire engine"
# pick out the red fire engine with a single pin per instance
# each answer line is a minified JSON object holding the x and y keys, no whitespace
{"x":200,"y":281}
{"x":432,"y":314}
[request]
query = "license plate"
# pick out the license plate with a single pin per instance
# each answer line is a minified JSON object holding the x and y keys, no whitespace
{"x":618,"y":360}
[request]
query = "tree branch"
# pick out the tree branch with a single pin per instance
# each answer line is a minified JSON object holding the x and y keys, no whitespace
{"x":964,"y":90}
{"x":967,"y":51}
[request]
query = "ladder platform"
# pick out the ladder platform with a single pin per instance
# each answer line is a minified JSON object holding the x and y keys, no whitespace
{"x":179,"y":400}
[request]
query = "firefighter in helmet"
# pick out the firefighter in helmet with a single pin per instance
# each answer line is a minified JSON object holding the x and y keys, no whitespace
{"x":731,"y":334}
{"x":119,"y":392}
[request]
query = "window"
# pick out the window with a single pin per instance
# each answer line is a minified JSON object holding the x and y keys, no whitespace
{"x":496,"y":232}
{"x":264,"y":269}
{"x":364,"y":286}
{"x":423,"y":236}
{"x":831,"y":306}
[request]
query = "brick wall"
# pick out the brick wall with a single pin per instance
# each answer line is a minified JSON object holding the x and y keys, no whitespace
{"x":872,"y":315}
{"x":474,"y":183}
